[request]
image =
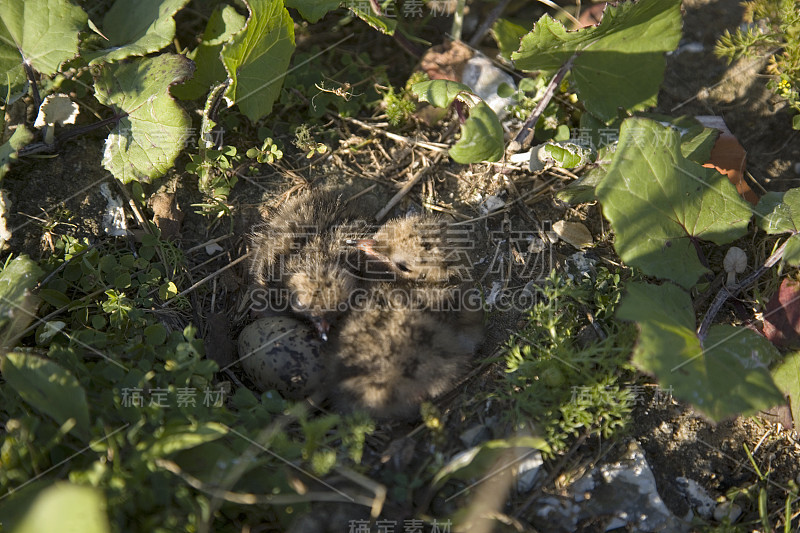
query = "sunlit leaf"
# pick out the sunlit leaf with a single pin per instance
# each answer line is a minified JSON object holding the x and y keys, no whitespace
{"x":618,"y":63}
{"x":658,"y":201}
{"x":723,"y":375}
{"x":153,"y":129}
{"x":258,"y":56}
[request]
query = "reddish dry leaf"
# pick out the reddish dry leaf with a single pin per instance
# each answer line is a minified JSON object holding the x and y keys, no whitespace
{"x":166,"y":214}
{"x":782,"y":316}
{"x":728,"y":157}
{"x":591,"y":16}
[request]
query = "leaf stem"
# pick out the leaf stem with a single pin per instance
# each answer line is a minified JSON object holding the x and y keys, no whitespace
{"x":525,"y":135}
{"x":726,"y":292}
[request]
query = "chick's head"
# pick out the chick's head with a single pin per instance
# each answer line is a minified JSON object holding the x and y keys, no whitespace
{"x":321,"y":294}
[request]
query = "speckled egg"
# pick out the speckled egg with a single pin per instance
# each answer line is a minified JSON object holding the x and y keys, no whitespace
{"x":284,"y":354}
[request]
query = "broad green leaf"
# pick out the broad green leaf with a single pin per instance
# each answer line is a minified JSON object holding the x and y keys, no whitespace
{"x":696,"y":145}
{"x":723,"y":375}
{"x":787,"y":377}
{"x":8,"y":151}
{"x":507,"y":35}
{"x":137,"y":28}
{"x":154,"y":128}
{"x":17,"y":304}
{"x":42,"y":32}
{"x":222,"y":25}
{"x":657,"y":201}
{"x":619,"y":63}
{"x":258,"y":56}
{"x":779,"y":212}
{"x":174,"y":439}
{"x":481,"y":137}
{"x":439,"y":93}
{"x":363,"y":11}
{"x":66,"y":507}
{"x":47,"y":387}
{"x":312,"y":10}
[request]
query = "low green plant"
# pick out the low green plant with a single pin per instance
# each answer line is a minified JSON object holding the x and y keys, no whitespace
{"x":773,"y":29}
{"x":562,"y":377}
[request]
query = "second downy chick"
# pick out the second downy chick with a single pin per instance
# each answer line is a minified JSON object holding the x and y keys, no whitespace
{"x":390,"y":359}
{"x":418,"y":248}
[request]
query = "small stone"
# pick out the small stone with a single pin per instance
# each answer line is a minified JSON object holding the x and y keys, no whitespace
{"x":728,"y":510}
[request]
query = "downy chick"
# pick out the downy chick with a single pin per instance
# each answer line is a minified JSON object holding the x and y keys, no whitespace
{"x":293,"y":225}
{"x":302,"y":241}
{"x":412,"y":248}
{"x":321,"y":279}
{"x":390,"y":359}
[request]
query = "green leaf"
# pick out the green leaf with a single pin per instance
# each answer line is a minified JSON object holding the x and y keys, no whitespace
{"x":66,"y":507}
{"x":47,"y":387}
{"x":17,"y":304}
{"x":723,"y":375}
{"x":481,"y":134}
{"x":146,"y":142}
{"x":222,"y":25}
{"x":787,"y":377}
{"x":312,"y":10}
{"x":481,"y":137}
{"x":791,"y":254}
{"x":657,"y":201}
{"x":439,"y":93}
{"x":137,"y":28}
{"x":779,"y":212}
{"x":619,"y":63}
{"x":561,"y":155}
{"x":175,"y":439}
{"x":53,"y":297}
{"x":508,"y":35}
{"x":381,"y":23}
{"x":8,"y":151}
{"x":257,"y":58}
{"x":42,"y":32}
{"x":476,"y":461}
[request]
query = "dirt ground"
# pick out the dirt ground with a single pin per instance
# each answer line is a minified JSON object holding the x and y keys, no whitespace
{"x":60,"y":194}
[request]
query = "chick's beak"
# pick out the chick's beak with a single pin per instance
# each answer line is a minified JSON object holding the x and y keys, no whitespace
{"x":322,"y":326}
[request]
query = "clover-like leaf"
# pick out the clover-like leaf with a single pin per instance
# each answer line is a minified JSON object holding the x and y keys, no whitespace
{"x":153,"y":128}
{"x":47,"y":387}
{"x":618,"y":63}
{"x":222,"y":25}
{"x":43,"y":33}
{"x":137,"y":28}
{"x":258,"y":56}
{"x":658,"y":202}
{"x":723,"y":375}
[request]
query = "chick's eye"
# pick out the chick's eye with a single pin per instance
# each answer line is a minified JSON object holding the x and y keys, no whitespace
{"x":403,"y":267}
